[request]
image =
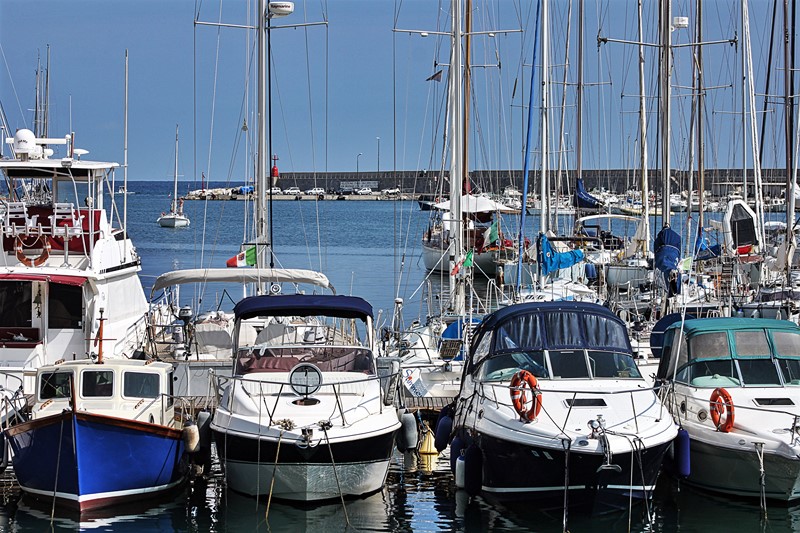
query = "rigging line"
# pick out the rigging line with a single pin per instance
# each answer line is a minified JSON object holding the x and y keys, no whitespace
{"x":13,"y":87}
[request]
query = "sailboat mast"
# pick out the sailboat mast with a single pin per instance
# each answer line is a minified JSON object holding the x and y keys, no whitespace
{"x":643,"y":134}
{"x":544,"y":204}
{"x":456,"y":126}
{"x":175,"y":180}
{"x":579,"y":96}
{"x":466,"y":187}
{"x":262,"y":156}
{"x":701,"y":168}
{"x":666,"y":91}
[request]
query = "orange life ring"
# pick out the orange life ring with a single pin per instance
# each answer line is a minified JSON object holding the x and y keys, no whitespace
{"x":522,"y":380}
{"x":36,"y":261}
{"x":721,"y":402}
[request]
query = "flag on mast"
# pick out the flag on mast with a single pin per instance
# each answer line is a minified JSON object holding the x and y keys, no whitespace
{"x":244,"y":258}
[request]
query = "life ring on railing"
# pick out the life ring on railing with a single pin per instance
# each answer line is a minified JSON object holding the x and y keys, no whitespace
{"x":721,"y":402}
{"x":522,"y":380}
{"x":36,"y":261}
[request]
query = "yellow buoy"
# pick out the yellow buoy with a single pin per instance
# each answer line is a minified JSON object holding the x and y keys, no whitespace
{"x":427,"y":445}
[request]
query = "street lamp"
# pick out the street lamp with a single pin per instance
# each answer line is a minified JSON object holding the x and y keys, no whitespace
{"x":379,"y":156}
{"x":357,"y":176}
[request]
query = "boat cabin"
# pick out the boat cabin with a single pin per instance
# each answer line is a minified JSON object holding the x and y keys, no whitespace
{"x":132,"y":389}
{"x":732,"y":352}
{"x":553,"y":341}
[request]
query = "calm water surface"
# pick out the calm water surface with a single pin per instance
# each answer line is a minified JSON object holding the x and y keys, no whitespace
{"x":360,"y":246}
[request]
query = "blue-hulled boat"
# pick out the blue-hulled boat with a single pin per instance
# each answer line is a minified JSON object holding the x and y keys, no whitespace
{"x":557,"y":411}
{"x":733,"y":384}
{"x":100,"y":434}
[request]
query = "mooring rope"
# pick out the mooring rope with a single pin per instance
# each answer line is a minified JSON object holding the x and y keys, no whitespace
{"x":285,"y":425}
{"x":58,"y":467}
{"x":324,"y":425}
{"x":762,"y":477}
{"x":566,"y":444}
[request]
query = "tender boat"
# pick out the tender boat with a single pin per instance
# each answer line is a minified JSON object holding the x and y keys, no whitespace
{"x":100,"y":434}
{"x":304,"y":415}
{"x":553,"y":408}
{"x":733,"y":384}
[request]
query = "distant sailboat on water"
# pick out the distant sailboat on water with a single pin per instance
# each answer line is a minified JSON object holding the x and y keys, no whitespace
{"x":175,"y":218}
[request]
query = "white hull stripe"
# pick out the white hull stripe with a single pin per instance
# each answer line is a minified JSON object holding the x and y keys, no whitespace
{"x":561,"y":488}
{"x":101,"y":495}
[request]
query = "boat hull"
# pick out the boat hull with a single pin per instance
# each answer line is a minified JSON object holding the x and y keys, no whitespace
{"x":436,"y":260}
{"x":173,"y":221}
{"x":736,"y":472}
{"x":90,"y":461}
{"x":353,"y":467}
{"x":520,"y":471}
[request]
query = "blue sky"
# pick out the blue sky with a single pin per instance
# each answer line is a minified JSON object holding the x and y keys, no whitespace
{"x":341,"y":87}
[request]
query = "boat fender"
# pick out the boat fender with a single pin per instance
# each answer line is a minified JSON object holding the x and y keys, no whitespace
{"x":457,"y":445}
{"x":682,"y":460}
{"x":191,"y":437}
{"x":447,"y":410}
{"x":408,"y":435}
{"x":459,"y":471}
{"x":473,"y":470}
{"x":426,"y":446}
{"x":719,"y":403}
{"x":443,"y":430}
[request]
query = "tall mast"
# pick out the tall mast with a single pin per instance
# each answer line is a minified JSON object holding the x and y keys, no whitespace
{"x":466,"y":187}
{"x":643,"y":134}
{"x":701,"y":167}
{"x":456,"y":127}
{"x":666,"y":74}
{"x":175,"y":180}
{"x":579,"y":95}
{"x":543,"y":182}
{"x":262,"y":156}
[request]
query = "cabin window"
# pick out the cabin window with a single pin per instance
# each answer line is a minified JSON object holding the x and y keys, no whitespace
{"x":603,"y":332}
{"x":705,"y":373}
{"x":482,"y":347}
{"x":786,"y":343}
{"x":65,"y":307}
{"x":501,"y":367}
{"x":790,"y":368}
{"x":568,"y":364}
{"x":563,"y":329}
{"x":759,"y":372}
{"x":519,"y":333}
{"x":55,"y":385}
{"x":15,"y":304}
{"x":612,"y":365}
{"x":710,"y":346}
{"x":140,"y":385}
{"x":97,"y":383}
{"x":750,"y":343}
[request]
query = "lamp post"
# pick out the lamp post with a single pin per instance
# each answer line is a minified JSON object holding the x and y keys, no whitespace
{"x":358,"y":178}
{"x":379,"y":156}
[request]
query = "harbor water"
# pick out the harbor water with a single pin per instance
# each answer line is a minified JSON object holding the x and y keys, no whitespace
{"x":369,"y":249}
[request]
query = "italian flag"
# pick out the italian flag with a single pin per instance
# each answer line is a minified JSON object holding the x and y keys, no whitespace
{"x":245,"y":258}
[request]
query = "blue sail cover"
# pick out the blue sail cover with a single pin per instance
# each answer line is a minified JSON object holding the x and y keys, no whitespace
{"x":582,"y":199}
{"x":667,"y":247}
{"x":702,"y":249}
{"x":550,"y":260}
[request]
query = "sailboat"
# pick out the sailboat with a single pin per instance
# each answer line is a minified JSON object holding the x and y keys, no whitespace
{"x":175,"y":218}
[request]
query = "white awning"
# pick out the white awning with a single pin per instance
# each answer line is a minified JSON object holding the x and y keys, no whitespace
{"x":242,"y":275}
{"x":477,"y":204}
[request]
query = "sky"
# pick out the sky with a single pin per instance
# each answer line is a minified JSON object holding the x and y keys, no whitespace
{"x":341,"y":86}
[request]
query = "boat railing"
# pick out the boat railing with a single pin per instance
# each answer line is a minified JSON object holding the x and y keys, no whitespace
{"x":337,"y":384}
{"x":59,"y":226}
{"x":570,"y":402}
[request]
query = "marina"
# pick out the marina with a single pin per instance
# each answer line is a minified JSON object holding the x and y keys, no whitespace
{"x":463,"y":348}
